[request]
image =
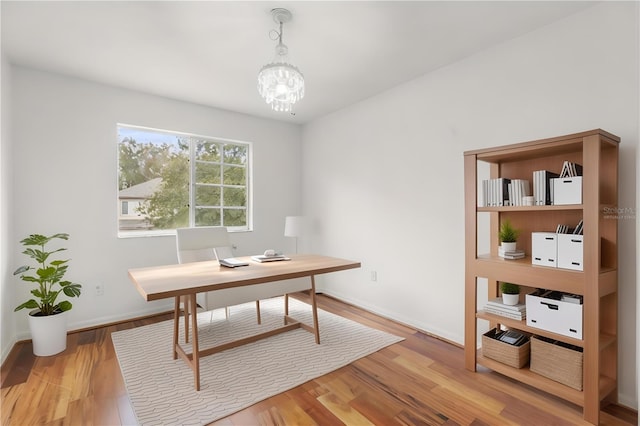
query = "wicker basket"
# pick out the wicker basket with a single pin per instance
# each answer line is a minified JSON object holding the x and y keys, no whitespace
{"x":513,"y":356}
{"x":553,"y":360}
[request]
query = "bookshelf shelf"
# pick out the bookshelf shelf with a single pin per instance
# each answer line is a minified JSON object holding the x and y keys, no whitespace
{"x":597,"y":152}
{"x":522,"y":325}
{"x":530,"y":208}
{"x":528,"y":377}
{"x":524,"y":375}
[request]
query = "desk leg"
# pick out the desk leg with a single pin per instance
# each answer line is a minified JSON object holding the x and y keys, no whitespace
{"x":185,"y":302}
{"x":194,"y":344}
{"x":314,"y":308}
{"x":176,"y":323}
{"x":258,"y":312}
{"x":286,"y":308}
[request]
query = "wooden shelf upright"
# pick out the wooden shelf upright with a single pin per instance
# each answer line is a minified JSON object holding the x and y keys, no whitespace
{"x":597,"y":152}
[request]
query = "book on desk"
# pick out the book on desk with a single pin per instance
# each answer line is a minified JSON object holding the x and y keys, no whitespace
{"x":262,"y":258}
{"x":232,"y":262}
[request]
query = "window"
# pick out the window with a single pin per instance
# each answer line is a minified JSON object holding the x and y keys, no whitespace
{"x":169,"y":180}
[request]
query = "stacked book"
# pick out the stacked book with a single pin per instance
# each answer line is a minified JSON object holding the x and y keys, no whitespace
{"x":496,"y":307}
{"x":273,"y":258}
{"x":516,"y":254}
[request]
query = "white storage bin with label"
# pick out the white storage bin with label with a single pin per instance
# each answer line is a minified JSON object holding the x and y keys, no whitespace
{"x":554,"y":315}
{"x":567,"y":190}
{"x":544,"y":249}
{"x":570,"y":251}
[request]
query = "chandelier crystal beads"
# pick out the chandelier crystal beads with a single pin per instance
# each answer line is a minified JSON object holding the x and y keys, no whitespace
{"x":280,"y":83}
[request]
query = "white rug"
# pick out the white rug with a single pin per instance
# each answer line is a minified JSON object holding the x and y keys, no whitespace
{"x":162,"y":391}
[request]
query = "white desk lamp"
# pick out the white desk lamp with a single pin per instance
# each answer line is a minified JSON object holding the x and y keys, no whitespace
{"x":293,"y":228}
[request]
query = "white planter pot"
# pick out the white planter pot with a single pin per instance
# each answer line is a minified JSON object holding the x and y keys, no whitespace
{"x":48,"y":333}
{"x":510,"y":299}
{"x":509,"y":246}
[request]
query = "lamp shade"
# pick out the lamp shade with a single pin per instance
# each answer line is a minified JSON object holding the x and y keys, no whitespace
{"x":293,"y":226}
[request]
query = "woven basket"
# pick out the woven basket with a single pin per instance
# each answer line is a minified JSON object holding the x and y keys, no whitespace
{"x":556,"y":362}
{"x":513,"y":356}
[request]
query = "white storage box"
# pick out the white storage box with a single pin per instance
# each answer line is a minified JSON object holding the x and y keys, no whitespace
{"x":544,"y":249}
{"x":554,"y":315}
{"x":570,"y":251}
{"x":567,"y":190}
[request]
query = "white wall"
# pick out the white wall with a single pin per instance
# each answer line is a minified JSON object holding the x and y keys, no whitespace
{"x":7,"y":319}
{"x":383,"y":179}
{"x":65,"y":180}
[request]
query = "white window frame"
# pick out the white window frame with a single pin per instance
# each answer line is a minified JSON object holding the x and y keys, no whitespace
{"x":192,"y":183}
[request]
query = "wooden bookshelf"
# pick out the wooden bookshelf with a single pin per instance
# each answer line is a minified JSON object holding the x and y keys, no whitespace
{"x":597,"y":152}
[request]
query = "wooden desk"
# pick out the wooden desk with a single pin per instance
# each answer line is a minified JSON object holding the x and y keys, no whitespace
{"x":247,"y":283}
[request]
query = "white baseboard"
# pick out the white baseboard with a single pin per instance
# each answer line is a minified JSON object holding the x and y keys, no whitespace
{"x":393,"y":316}
{"x":96,"y":322}
{"x":628,"y":401}
{"x":7,"y":349}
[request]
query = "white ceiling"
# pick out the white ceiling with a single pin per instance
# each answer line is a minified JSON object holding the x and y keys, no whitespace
{"x":209,"y":52}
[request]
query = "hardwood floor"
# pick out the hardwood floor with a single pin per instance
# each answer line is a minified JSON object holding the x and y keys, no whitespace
{"x":420,"y":381}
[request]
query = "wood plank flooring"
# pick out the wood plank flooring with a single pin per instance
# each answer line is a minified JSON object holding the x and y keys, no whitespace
{"x":420,"y":381}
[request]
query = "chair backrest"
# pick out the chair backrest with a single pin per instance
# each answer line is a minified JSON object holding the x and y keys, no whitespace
{"x":198,"y":244}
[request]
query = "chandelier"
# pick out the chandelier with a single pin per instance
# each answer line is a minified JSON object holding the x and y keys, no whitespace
{"x":280,"y":83}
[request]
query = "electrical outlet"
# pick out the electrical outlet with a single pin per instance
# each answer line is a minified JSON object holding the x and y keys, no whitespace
{"x":374,"y":276}
{"x":99,"y":289}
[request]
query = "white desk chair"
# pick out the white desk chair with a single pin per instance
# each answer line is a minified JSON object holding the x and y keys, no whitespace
{"x":197,"y":245}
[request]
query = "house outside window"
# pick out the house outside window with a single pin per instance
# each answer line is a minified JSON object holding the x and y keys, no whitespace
{"x":169,"y":180}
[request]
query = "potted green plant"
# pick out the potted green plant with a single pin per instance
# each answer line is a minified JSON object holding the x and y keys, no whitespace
{"x":48,"y":319}
{"x":510,"y":293}
{"x":508,"y":235}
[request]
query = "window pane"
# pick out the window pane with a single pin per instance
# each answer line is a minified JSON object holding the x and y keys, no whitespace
{"x":207,"y":217}
{"x":234,"y":197}
{"x":235,"y":217}
{"x":235,"y":154}
{"x":207,"y":150}
{"x":207,"y":195}
{"x":234,"y":175}
{"x":153,"y":173}
{"x":207,"y":172}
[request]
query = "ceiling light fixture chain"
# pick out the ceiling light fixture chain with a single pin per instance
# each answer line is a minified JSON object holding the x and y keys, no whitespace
{"x":280,"y":83}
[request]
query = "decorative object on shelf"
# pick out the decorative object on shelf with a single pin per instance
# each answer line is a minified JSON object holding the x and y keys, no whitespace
{"x":48,"y":319}
{"x":557,"y":361}
{"x":512,"y":255}
{"x":510,"y":293}
{"x":497,"y":306}
{"x":567,"y":190}
{"x":280,"y":83}
{"x":556,"y":312}
{"x":544,"y":249}
{"x":493,"y":347}
{"x":508,"y":236}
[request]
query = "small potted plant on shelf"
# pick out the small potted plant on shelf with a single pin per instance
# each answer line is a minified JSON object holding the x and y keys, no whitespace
{"x":48,"y":319}
{"x":508,"y":236}
{"x":510,"y":293}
